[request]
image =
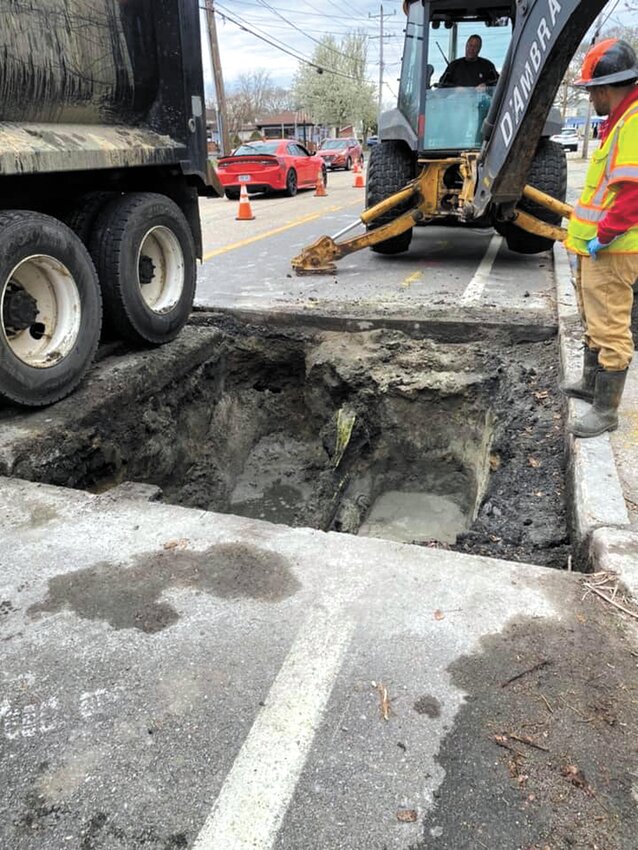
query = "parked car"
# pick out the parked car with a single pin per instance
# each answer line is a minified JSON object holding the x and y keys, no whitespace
{"x":568,"y":138}
{"x":372,"y":140}
{"x":275,"y":165}
{"x":340,"y":153}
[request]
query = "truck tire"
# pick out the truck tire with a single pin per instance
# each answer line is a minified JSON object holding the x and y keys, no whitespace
{"x":50,"y":309}
{"x":549,"y":174}
{"x":391,"y":167}
{"x":144,"y":253}
{"x":232,"y":194}
{"x":83,"y":214}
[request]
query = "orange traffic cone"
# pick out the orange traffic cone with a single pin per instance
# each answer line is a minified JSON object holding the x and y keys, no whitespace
{"x":245,"y":212}
{"x":320,"y":191}
{"x":358,"y":177}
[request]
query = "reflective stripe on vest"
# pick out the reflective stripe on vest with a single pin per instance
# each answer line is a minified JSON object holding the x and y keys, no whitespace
{"x":597,"y":196}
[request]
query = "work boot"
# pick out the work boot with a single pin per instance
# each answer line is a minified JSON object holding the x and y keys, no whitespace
{"x":584,"y":388}
{"x":603,"y":415}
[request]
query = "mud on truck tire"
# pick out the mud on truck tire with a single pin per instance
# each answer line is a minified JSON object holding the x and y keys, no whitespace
{"x":144,"y":253}
{"x":390,"y":169}
{"x":50,"y":309}
{"x":549,"y":174}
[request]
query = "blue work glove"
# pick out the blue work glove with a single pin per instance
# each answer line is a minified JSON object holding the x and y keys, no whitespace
{"x":594,"y":246}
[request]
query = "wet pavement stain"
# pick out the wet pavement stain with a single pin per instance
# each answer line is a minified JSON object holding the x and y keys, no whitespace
{"x":428,"y":705}
{"x":127,"y":596}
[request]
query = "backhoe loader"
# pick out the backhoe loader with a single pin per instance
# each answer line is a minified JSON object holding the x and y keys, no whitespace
{"x":474,"y":156}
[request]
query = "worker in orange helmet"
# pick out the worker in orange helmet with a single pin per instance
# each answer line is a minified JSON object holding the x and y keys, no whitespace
{"x":603,"y":231}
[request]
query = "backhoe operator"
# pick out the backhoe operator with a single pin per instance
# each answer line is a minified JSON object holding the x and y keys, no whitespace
{"x":603,"y":231}
{"x":471,"y":70}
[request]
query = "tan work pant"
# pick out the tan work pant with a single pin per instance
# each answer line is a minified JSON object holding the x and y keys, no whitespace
{"x":605,"y":296}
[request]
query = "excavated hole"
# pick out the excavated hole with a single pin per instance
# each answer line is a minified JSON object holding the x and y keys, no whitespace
{"x":454,"y":446}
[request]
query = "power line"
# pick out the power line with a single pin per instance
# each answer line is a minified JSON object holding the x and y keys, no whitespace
{"x":315,"y":13}
{"x":225,"y":16}
{"x":303,"y":32}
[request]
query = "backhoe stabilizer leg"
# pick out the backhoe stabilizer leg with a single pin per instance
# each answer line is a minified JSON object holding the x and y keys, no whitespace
{"x":319,"y":257}
{"x":545,"y":200}
{"x":532,"y":224}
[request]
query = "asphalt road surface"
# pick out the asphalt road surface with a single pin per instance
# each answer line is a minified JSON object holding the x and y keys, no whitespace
{"x":248,"y":262}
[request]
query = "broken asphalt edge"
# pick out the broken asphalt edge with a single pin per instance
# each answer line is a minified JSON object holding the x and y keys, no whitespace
{"x":601,"y":533}
{"x":444,"y":325}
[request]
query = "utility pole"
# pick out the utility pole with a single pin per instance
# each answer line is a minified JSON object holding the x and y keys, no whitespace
{"x":218,"y":78}
{"x":380,"y":16}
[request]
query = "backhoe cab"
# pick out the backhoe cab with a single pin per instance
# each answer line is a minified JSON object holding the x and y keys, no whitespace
{"x":474,"y":154}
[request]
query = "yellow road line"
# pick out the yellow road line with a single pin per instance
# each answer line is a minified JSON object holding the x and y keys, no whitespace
{"x":412,"y":279}
{"x":303,"y":220}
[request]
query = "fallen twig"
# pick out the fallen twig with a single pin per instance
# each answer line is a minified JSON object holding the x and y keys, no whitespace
{"x":611,"y":601}
{"x":530,"y":743}
{"x":546,"y":701}
{"x":384,"y":701}
{"x":502,"y":741}
{"x":577,"y":710}
{"x":538,"y":666}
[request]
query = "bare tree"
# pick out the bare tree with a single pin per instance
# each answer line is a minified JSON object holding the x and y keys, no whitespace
{"x":253,"y":95}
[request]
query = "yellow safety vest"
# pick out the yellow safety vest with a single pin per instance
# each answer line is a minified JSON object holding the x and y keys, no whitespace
{"x":616,"y":160}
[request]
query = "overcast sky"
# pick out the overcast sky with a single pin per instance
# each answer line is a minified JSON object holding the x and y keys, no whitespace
{"x":306,"y":22}
{"x":297,"y":25}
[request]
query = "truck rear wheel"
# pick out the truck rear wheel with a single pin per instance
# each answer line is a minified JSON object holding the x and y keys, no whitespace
{"x":84,"y":212}
{"x":50,"y":309}
{"x":391,"y":167}
{"x":549,"y":174}
{"x":144,"y":253}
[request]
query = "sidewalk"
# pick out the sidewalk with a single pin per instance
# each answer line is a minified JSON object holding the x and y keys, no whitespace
{"x":604,"y":469}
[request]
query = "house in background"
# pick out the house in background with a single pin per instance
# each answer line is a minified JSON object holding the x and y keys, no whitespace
{"x":290,"y":125}
{"x":245,"y":133}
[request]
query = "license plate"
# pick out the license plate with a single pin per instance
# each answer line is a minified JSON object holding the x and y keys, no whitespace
{"x":244,"y":178}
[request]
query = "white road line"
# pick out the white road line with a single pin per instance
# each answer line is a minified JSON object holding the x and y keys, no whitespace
{"x":255,"y":796}
{"x":475,"y":287}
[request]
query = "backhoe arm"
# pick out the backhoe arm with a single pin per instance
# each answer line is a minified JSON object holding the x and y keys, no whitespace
{"x":545,"y":37}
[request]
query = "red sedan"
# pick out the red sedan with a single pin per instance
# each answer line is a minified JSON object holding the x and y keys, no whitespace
{"x":341,"y":153}
{"x":276,"y":165}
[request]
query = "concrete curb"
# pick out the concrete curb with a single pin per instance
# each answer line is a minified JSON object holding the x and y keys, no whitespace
{"x":592,"y":477}
{"x":616,"y":550}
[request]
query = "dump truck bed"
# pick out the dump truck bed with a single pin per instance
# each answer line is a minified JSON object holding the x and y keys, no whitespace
{"x":93,"y":84}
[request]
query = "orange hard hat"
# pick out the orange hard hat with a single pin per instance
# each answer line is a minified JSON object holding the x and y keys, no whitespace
{"x":611,"y":60}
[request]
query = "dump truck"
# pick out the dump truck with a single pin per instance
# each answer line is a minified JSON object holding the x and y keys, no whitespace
{"x":470,"y":155}
{"x":103,"y":154}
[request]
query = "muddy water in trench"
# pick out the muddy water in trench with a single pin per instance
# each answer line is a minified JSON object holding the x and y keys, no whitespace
{"x":408,"y":516}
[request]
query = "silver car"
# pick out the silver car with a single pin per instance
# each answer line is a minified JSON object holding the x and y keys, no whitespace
{"x":568,"y":138}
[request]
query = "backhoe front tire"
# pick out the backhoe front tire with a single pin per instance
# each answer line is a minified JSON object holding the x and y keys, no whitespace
{"x":549,"y":174}
{"x":390,"y":168}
